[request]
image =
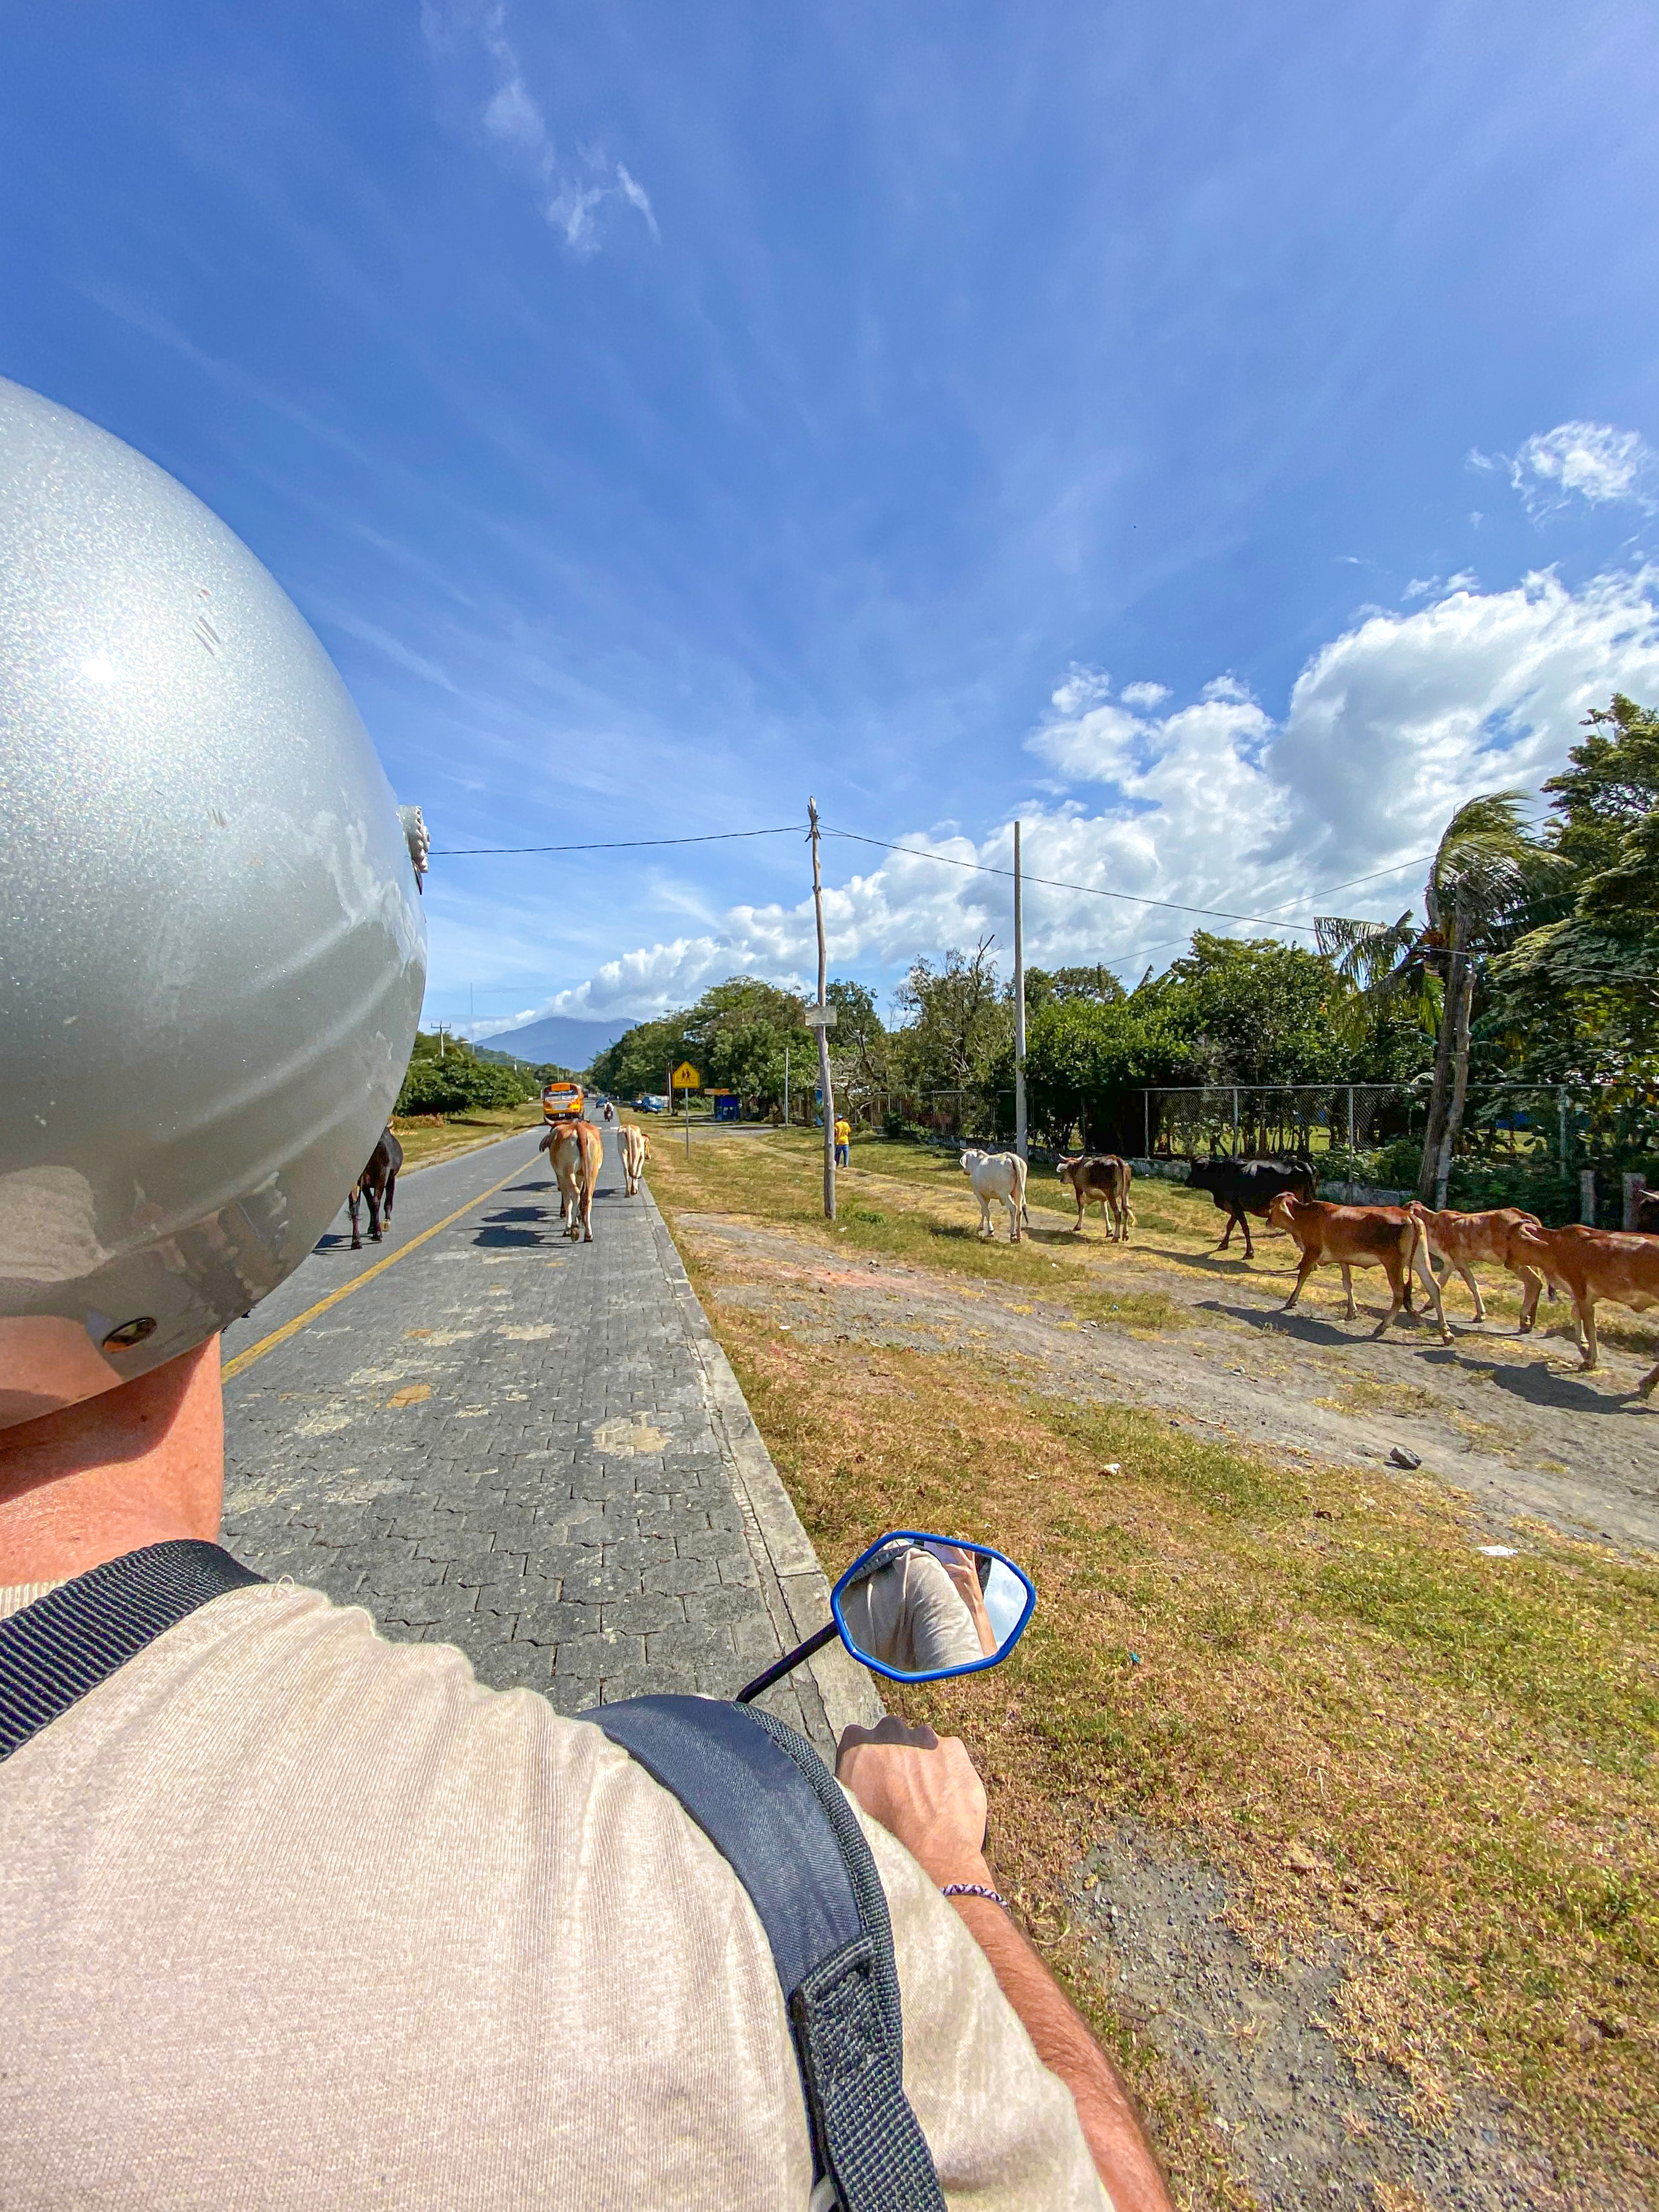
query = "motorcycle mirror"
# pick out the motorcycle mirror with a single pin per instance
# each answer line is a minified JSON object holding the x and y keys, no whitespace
{"x":917,"y":1606}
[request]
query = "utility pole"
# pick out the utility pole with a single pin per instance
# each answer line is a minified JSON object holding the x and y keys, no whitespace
{"x":1019,"y":1009}
{"x":824,"y":1018}
{"x":786,"y":1086}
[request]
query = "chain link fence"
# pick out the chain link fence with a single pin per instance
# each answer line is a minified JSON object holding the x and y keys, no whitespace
{"x":1565,"y":1152}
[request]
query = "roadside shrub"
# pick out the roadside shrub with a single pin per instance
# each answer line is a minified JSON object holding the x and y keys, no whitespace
{"x":456,"y":1082}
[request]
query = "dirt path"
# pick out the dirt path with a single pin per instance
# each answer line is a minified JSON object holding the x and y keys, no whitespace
{"x":1501,"y":1417}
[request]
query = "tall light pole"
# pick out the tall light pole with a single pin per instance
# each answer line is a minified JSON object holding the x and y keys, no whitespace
{"x":1019,"y":1009}
{"x":821,"y":1017}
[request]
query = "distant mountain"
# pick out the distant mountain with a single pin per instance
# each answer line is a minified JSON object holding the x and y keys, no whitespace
{"x":560,"y":1038}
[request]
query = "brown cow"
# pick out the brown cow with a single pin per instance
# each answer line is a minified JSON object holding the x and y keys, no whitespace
{"x":575,"y":1150}
{"x":1349,"y":1237}
{"x":1461,"y":1239}
{"x":377,"y":1183}
{"x":635,"y":1151}
{"x":1100,"y":1175}
{"x":1596,"y":1263}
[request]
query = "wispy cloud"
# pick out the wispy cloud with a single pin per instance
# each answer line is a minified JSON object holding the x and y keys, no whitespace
{"x":1592,"y":461}
{"x":393,"y":648}
{"x":511,"y":114}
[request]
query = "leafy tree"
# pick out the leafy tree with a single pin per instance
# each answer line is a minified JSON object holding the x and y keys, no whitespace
{"x":1253,"y":1010}
{"x":961,"y":1021}
{"x":1486,"y":877}
{"x":1085,"y":1061}
{"x":458,"y":1081}
{"x":640,"y":1061}
{"x":860,"y":1048}
{"x":1576,"y":999}
{"x":1050,"y":987}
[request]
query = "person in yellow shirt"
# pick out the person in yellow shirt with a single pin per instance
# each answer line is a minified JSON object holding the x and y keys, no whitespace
{"x":843,"y":1139}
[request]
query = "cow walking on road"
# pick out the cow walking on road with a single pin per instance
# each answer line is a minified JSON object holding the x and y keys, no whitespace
{"x":377,"y":1183}
{"x":1590,"y":1264}
{"x":1101,"y":1176}
{"x":1350,"y":1236}
{"x":575,"y":1150}
{"x":997,"y":1176}
{"x":1241,"y":1187}
{"x":635,"y":1151}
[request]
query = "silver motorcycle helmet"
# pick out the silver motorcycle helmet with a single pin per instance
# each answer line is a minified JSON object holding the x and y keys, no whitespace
{"x":212,"y":950}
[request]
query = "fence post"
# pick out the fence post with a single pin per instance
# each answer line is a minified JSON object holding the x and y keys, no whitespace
{"x":1350,"y":1143}
{"x":1561,"y":1116}
{"x":1587,"y":1197}
{"x":1147,"y":1101}
{"x":1634,"y":1187}
{"x":1235,"y":1121}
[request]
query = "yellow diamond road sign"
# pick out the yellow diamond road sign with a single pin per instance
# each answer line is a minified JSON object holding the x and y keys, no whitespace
{"x":686,"y":1077}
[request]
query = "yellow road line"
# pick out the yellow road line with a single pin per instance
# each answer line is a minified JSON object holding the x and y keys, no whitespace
{"x":288,"y":1329}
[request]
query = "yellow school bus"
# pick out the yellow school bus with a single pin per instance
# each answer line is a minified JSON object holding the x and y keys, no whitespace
{"x":561,"y":1101}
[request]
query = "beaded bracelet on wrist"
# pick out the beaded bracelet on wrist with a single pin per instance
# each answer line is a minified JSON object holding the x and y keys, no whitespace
{"x":975,"y":1889}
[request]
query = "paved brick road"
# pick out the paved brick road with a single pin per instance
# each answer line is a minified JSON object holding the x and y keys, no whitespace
{"x":531,"y":1449}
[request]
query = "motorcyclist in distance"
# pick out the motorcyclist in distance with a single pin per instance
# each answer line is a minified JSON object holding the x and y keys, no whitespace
{"x":293,"y":1918}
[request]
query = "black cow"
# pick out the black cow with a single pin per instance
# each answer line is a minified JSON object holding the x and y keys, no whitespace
{"x":377,"y":1183}
{"x":1241,"y":1187}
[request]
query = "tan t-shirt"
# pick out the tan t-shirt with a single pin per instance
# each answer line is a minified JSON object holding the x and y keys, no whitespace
{"x":294,"y":1918}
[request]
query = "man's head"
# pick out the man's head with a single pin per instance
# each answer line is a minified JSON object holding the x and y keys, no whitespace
{"x":211,"y":948}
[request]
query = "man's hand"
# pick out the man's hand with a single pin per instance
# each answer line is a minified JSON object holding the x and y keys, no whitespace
{"x":922,"y":1789}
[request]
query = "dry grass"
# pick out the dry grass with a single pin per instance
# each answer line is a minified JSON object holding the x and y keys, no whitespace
{"x":1445,"y":1761}
{"x":429,"y":1138}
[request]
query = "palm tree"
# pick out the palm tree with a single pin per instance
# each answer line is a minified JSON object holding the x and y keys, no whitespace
{"x":1486,"y":874}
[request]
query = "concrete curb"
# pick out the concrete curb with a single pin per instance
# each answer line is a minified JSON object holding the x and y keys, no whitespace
{"x":796,"y":1587}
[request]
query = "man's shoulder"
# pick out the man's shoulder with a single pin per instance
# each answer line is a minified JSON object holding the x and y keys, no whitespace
{"x":276,"y":1673}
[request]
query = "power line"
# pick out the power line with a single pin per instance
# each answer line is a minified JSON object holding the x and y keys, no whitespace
{"x":613,"y":845}
{"x":1134,"y":898}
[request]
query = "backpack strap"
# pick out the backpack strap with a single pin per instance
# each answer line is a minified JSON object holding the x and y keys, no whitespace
{"x":68,"y":1642}
{"x":770,"y":1807}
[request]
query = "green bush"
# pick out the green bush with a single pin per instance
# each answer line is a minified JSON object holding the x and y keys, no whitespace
{"x":457,"y":1082}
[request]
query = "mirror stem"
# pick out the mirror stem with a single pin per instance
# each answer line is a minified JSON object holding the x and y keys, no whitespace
{"x":790,"y":1660}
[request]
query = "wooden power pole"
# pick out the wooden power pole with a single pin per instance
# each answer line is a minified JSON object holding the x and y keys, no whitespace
{"x":1019,"y":1010}
{"x":821,"y":1017}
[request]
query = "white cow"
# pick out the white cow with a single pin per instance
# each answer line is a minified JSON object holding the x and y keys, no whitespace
{"x":635,"y":1151}
{"x":993,"y":1175}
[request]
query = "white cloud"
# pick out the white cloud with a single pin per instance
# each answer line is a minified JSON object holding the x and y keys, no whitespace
{"x":1601,"y":464}
{"x":512,"y":115}
{"x":1218,"y":803}
{"x":1598,"y":462}
{"x":1142,"y":695}
{"x":634,"y":192}
{"x":1080,"y":687}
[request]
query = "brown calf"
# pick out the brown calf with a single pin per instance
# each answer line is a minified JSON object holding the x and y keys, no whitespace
{"x":1461,"y":1239}
{"x":1349,"y":1237}
{"x":1588,"y":1264}
{"x":575,"y":1150}
{"x":1102,"y":1177}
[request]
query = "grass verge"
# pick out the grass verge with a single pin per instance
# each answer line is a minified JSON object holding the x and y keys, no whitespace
{"x":1443,"y":1763}
{"x":427,"y":1139}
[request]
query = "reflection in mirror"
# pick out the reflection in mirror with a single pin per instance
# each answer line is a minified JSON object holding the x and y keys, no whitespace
{"x":919,"y":1607}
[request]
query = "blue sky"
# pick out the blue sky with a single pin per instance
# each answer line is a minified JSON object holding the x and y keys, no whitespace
{"x":1218,"y":436}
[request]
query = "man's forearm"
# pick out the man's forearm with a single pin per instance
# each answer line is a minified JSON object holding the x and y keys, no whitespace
{"x":1063,"y":2042}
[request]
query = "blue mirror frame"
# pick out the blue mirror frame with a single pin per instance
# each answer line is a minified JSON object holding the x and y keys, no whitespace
{"x":961,"y":1543}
